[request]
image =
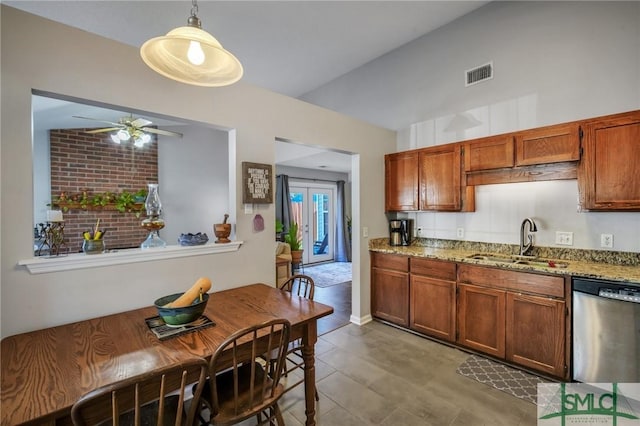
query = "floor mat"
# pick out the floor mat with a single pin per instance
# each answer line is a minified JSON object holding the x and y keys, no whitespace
{"x":499,"y":376}
{"x":329,"y":274}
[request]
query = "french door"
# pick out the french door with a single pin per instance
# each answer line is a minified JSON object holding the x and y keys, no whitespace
{"x":313,"y":208}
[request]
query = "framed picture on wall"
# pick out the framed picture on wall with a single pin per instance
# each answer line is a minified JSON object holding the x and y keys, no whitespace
{"x":257,"y":183}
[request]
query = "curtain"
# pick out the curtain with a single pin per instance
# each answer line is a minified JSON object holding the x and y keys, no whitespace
{"x":283,"y":201}
{"x":343,"y":236}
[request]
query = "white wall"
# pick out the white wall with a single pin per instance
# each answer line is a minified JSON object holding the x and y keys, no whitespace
{"x":41,"y":54}
{"x":193,"y":177}
{"x":553,"y":62}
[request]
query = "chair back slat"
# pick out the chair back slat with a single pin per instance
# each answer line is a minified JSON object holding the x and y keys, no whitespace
{"x":253,"y":388}
{"x":300,"y":285}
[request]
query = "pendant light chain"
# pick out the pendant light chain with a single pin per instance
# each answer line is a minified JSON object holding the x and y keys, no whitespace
{"x":194,"y":8}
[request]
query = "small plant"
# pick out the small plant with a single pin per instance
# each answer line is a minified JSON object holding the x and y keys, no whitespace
{"x":291,"y":237}
{"x":123,"y":202}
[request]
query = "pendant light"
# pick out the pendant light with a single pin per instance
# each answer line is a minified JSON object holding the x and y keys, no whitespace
{"x":191,"y":55}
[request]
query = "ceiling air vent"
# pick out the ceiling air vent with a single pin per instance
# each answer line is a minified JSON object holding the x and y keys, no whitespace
{"x":478,"y":74}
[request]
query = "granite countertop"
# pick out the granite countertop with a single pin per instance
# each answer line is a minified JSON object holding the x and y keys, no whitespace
{"x":609,"y":265}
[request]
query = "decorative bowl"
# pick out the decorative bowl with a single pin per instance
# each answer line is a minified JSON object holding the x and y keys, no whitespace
{"x":180,"y":316}
{"x":193,"y":239}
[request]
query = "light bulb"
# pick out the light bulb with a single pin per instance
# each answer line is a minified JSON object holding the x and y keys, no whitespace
{"x":123,"y":135}
{"x":146,"y":138}
{"x":195,"y":53}
{"x":115,"y":138}
{"x":139,"y":143}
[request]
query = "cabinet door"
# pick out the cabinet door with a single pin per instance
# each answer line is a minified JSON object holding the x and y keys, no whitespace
{"x":535,"y":333}
{"x":488,"y":153}
{"x":551,"y":144}
{"x":401,"y":181}
{"x":481,"y":319}
{"x":609,"y":173}
{"x":390,"y":296}
{"x":440,"y":178}
{"x":433,"y":307}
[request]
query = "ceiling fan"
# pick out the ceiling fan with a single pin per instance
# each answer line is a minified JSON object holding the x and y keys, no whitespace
{"x":128,"y":127}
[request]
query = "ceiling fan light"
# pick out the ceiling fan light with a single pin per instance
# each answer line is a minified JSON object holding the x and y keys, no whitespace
{"x":172,"y":57}
{"x":146,"y":138}
{"x":139,"y":143}
{"x":123,"y":135}
{"x":115,"y":138}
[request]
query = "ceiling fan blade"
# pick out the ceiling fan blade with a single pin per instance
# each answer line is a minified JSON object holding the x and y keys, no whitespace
{"x":161,"y":132}
{"x":99,"y":121}
{"x":140,"y":122}
{"x":106,"y":129}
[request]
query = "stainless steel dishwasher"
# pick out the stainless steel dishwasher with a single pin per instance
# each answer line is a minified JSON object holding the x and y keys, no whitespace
{"x":606,"y":331}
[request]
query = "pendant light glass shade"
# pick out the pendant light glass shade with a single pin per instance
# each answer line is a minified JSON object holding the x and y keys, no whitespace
{"x":192,"y":56}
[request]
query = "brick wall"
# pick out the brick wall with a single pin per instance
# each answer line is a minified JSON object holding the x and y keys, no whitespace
{"x":95,"y":164}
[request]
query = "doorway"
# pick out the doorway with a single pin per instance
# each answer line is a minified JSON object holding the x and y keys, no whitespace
{"x":313,"y":208}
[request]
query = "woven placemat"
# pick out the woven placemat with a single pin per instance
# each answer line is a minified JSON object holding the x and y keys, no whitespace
{"x":502,"y":377}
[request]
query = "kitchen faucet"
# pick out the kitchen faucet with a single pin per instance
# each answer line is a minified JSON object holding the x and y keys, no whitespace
{"x":524,"y":248}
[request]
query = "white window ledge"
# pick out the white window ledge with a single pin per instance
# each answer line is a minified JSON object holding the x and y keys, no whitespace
{"x":46,"y":264}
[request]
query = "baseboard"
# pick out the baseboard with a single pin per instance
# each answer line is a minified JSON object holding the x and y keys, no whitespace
{"x":361,"y":320}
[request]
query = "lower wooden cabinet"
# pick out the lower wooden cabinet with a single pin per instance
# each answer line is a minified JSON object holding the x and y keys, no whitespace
{"x":481,"y":319}
{"x":390,"y":288}
{"x":433,"y":307}
{"x":519,"y":317}
{"x":535,"y":333}
{"x":433,"y":298}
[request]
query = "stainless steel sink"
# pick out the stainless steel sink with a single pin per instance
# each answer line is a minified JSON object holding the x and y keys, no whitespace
{"x":519,"y":260}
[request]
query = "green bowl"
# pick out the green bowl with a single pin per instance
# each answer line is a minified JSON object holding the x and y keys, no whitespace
{"x":180,"y":316}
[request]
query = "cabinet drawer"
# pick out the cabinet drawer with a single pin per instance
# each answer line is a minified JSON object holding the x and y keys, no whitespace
{"x":433,"y":268}
{"x":390,"y":261}
{"x":545,"y":285}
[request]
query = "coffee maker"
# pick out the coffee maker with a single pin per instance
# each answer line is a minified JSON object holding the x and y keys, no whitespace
{"x":400,"y":232}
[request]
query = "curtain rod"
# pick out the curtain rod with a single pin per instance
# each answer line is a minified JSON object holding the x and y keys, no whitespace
{"x":312,"y":179}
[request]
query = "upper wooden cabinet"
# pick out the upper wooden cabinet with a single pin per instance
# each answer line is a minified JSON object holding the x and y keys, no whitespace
{"x":440,"y":178}
{"x":401,"y":181}
{"x":551,"y":144}
{"x":426,"y":179}
{"x":608,"y":175}
{"x":490,"y":153}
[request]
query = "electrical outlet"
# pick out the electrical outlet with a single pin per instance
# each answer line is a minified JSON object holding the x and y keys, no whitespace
{"x":606,"y":240}
{"x":460,"y":232}
{"x":365,"y":231}
{"x":564,"y":238}
{"x":419,"y":231}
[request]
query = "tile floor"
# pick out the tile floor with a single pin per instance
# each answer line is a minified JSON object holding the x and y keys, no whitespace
{"x":378,"y":375}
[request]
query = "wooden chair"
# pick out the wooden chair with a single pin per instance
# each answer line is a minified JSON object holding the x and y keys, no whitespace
{"x":303,"y":286}
{"x":145,"y":398}
{"x":300,"y":285}
{"x":245,"y":388}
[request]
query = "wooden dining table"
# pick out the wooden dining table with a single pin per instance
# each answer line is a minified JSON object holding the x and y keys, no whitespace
{"x":45,"y":371}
